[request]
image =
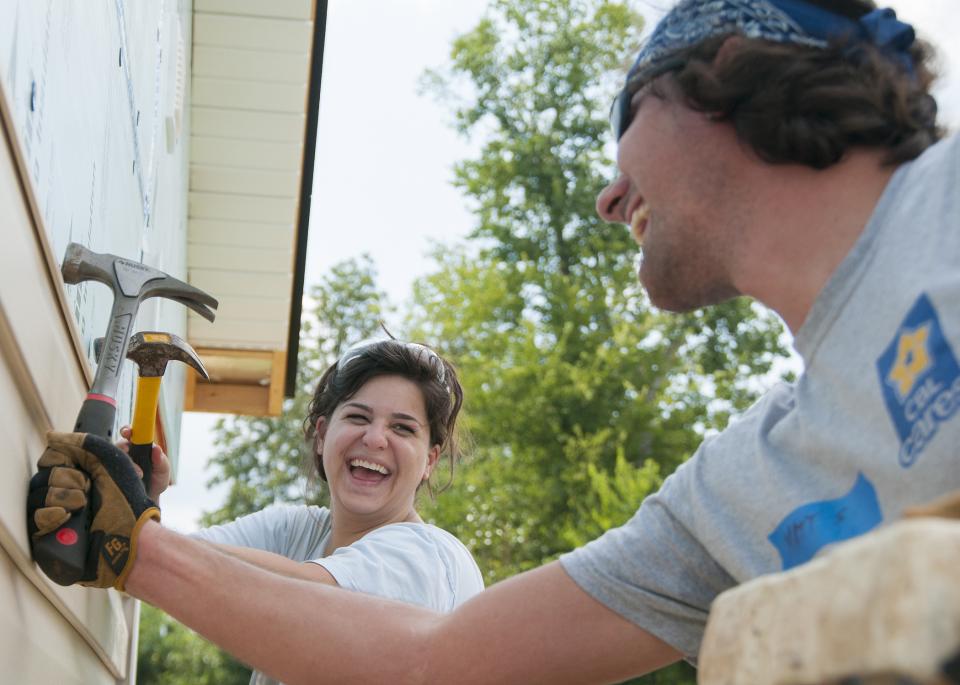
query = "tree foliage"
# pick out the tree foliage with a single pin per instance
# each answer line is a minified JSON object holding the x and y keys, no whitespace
{"x":580,"y":397}
{"x":171,"y":654}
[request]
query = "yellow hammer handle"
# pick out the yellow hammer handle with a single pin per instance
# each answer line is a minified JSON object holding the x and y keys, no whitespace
{"x":145,"y":410}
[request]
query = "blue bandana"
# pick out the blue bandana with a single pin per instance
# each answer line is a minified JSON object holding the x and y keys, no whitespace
{"x":780,"y":21}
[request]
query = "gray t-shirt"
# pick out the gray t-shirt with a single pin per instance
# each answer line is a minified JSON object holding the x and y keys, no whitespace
{"x":416,"y":563}
{"x":869,"y":428}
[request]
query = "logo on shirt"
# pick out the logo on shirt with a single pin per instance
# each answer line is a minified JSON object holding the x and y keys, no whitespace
{"x":811,"y":527}
{"x":920,"y":380}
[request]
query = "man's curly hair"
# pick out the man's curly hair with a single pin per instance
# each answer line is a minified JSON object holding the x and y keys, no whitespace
{"x":804,"y":105}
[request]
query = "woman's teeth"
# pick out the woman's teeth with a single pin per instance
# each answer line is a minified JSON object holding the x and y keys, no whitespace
{"x":369,"y":465}
{"x":638,"y":222}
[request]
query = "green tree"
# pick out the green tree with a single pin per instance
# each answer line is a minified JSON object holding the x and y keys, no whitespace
{"x":581,"y":396}
{"x":573,"y":378}
{"x":171,"y":654}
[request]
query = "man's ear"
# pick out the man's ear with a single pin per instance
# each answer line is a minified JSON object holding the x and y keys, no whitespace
{"x":432,"y":457}
{"x":728,"y":50}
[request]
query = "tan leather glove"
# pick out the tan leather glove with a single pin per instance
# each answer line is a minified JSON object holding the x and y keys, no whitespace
{"x":77,"y":470}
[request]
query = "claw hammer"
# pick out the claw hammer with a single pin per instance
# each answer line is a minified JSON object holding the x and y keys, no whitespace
{"x":150,"y":351}
{"x":61,"y":554}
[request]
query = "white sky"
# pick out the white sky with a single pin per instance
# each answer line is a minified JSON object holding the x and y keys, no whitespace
{"x":385,"y":156}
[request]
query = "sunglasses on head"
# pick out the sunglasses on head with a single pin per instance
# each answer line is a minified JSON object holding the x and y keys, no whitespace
{"x":425,"y":354}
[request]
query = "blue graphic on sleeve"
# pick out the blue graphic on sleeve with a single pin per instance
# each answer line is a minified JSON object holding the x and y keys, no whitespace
{"x":811,"y":527}
{"x":920,"y":380}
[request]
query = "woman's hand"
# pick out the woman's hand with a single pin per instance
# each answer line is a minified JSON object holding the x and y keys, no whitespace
{"x":160,"y":477}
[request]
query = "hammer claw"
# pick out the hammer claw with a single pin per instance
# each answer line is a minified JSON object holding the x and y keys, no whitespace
{"x":184,"y":293}
{"x":206,"y":310}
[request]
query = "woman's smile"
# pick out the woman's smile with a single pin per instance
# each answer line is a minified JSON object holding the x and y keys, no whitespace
{"x":376,"y":451}
{"x":367,"y":472}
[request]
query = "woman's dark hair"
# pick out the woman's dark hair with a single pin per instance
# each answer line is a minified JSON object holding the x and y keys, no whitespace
{"x":805,"y":105}
{"x":435,"y":376}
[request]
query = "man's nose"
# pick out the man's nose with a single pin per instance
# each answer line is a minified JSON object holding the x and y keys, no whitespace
{"x":612,"y":200}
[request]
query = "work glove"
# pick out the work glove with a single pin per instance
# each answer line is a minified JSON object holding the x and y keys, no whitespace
{"x":78,"y":469}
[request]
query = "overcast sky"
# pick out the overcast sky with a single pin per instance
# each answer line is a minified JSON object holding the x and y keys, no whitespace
{"x":385,"y":154}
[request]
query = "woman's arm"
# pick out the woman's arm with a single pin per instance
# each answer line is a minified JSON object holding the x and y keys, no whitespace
{"x":537,"y":627}
{"x":276,"y":563}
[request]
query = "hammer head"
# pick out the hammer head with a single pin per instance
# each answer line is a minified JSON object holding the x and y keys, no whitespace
{"x":132,"y":280}
{"x":151,"y":350}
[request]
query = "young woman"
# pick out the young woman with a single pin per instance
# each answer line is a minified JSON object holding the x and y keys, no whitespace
{"x":382,"y":419}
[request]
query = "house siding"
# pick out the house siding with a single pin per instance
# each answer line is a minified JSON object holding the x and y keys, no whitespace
{"x":93,"y":149}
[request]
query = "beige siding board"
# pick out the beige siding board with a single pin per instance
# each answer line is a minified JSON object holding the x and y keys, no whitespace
{"x":251,"y":65}
{"x":220,"y":283}
{"x":259,"y":332}
{"x":248,"y":260}
{"x":216,"y":232}
{"x":269,"y":306}
{"x":36,"y":328}
{"x":95,"y":616}
{"x":283,"y":9}
{"x":42,"y":382}
{"x":261,"y":96}
{"x":252,"y":33}
{"x":218,"y":122}
{"x":39,"y":329}
{"x":245,"y":154}
{"x":36,"y":340}
{"x":250,"y":334}
{"x":36,"y":644}
{"x":237,"y":181}
{"x":273,"y":309}
{"x":242,"y":208}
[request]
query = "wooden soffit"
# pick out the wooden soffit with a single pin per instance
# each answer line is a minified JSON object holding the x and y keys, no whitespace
{"x":255,"y":86}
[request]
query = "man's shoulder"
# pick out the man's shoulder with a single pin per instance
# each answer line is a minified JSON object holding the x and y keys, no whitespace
{"x":772,"y":406}
{"x":937,"y":157}
{"x":723,"y":459}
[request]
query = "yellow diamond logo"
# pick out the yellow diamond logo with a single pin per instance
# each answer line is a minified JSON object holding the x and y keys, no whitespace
{"x":912,"y":360}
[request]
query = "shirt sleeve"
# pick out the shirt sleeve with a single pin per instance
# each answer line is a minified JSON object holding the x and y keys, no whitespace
{"x":653,"y":570}
{"x":292,"y":531}
{"x":413,"y":563}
